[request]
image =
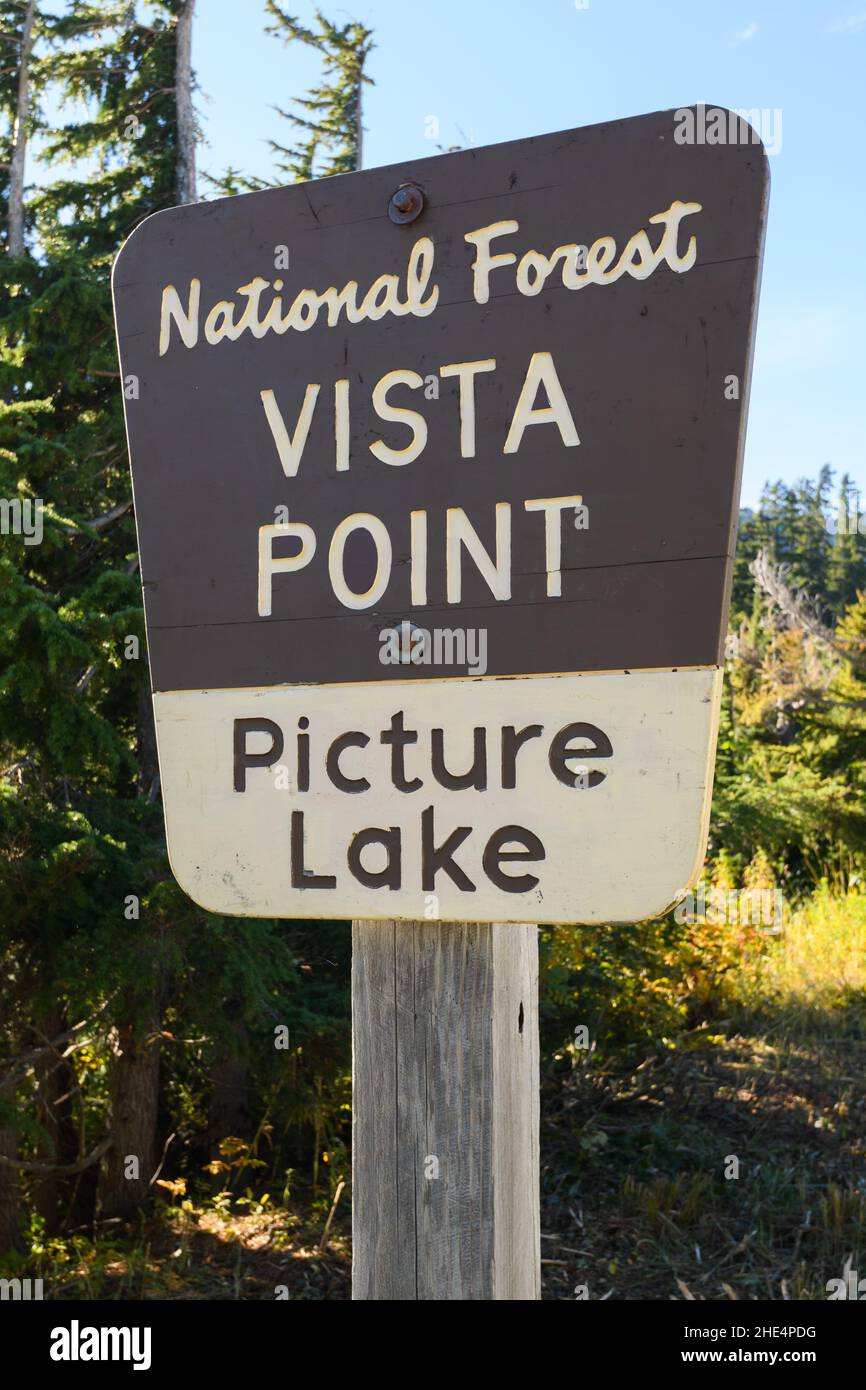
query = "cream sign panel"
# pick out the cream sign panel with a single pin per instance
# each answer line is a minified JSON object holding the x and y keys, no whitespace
{"x":362,"y":800}
{"x":436,"y":472}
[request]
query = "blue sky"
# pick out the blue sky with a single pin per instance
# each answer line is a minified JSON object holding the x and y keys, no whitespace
{"x":492,"y":70}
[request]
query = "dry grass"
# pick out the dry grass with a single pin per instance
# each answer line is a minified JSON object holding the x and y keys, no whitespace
{"x":813,"y":977}
{"x":637,"y":1204}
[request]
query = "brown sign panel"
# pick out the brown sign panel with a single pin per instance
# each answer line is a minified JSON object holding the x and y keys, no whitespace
{"x":500,"y":439}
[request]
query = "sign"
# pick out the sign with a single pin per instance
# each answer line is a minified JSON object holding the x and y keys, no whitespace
{"x":435,"y":473}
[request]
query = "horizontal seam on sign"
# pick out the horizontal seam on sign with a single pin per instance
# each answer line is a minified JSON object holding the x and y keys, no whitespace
{"x":427,"y":680}
{"x":429,"y":608}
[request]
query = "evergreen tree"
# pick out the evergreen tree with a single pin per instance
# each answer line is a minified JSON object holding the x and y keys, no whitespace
{"x":328,"y":120}
{"x":95,"y":936}
{"x":808,"y":540}
{"x":331,"y":132}
{"x":21,"y":84}
{"x":846,"y":565}
{"x":74,"y":708}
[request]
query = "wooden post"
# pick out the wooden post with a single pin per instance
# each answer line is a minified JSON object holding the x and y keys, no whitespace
{"x":446,"y":1111}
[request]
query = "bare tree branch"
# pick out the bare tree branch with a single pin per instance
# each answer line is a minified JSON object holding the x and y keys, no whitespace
{"x":62,"y":1169}
{"x":20,"y":1067}
{"x":795,"y":603}
{"x":102,"y":523}
{"x":162,"y":1160}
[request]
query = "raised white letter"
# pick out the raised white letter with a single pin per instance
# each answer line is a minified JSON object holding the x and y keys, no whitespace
{"x":416,"y":422}
{"x":465,"y":371}
{"x":360,"y":521}
{"x":541,"y":370}
{"x":552,"y":508}
{"x":269,"y":564}
{"x":186,"y":319}
{"x":460,"y":531}
{"x":484,"y":262}
{"x":290,"y":448}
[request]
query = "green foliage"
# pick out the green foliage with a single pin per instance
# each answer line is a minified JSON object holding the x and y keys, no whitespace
{"x":799,"y":526}
{"x":789,"y":805}
{"x":93,"y":929}
{"x":331,"y":132}
{"x":626,"y":986}
{"x":328,"y":120}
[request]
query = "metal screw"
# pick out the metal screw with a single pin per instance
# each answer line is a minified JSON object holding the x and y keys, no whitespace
{"x":406,"y":204}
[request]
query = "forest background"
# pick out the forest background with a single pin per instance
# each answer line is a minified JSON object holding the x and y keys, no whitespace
{"x":217,"y":1050}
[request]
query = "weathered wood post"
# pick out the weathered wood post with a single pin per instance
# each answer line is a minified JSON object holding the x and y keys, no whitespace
{"x":445,"y":1103}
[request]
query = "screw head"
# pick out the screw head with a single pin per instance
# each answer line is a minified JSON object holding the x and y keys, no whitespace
{"x":407,"y":203}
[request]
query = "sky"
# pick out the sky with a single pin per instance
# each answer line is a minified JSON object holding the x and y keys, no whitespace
{"x":492,"y":70}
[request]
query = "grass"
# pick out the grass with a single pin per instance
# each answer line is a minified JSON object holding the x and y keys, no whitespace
{"x":727,"y":1162}
{"x":813,"y":978}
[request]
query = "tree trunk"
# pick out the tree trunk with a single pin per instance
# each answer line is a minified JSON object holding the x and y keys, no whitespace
{"x":133,"y":1081}
{"x":359,"y":128}
{"x":185,"y":183}
{"x":11,"y":1237}
{"x":134,"y":1093}
{"x":145,"y":751}
{"x":19,"y":139}
{"x":56,"y":1079}
{"x":228,"y":1112}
